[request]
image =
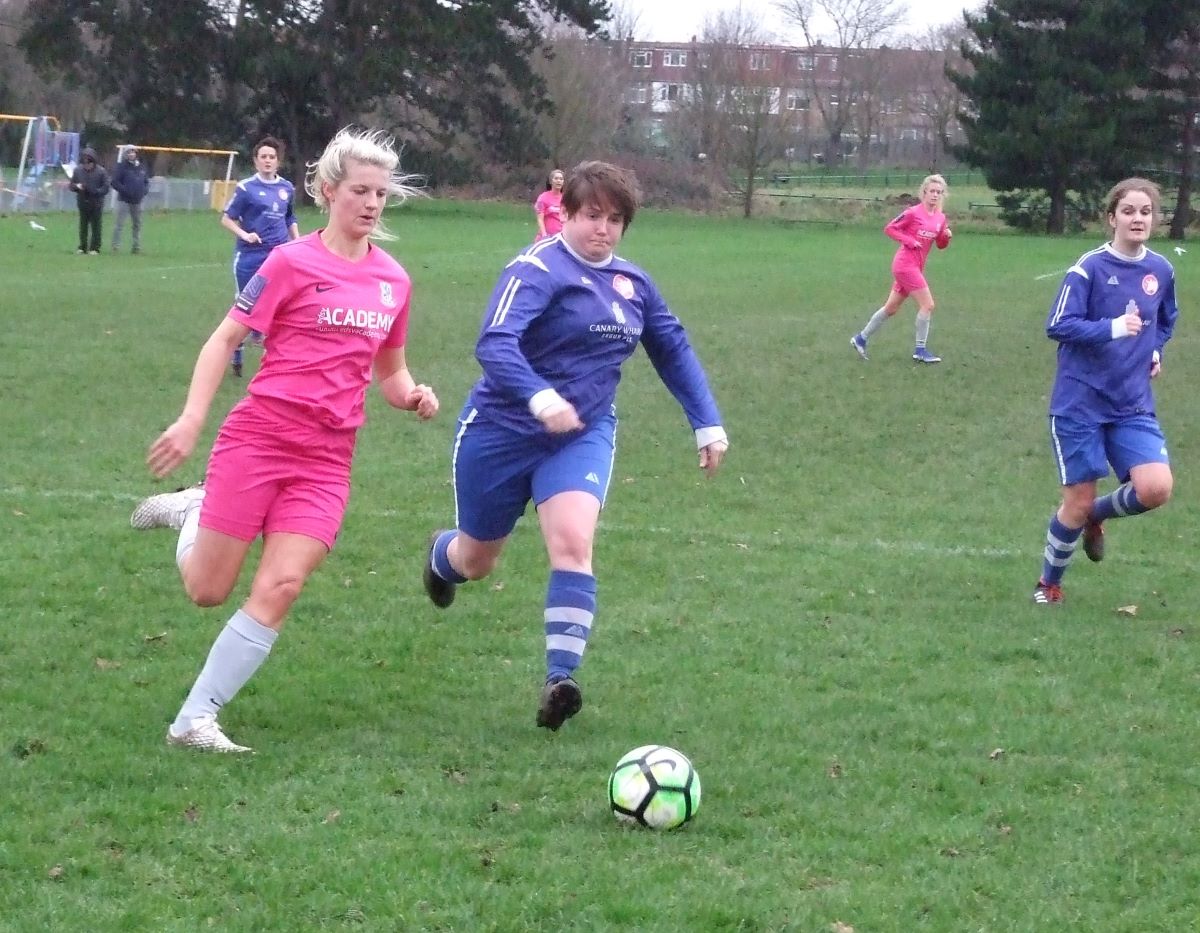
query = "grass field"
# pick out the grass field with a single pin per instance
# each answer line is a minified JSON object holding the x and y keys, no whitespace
{"x":837,"y":630}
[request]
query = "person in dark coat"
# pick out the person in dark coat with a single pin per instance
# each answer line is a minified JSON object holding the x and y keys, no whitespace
{"x":131,"y":182}
{"x":90,"y":183}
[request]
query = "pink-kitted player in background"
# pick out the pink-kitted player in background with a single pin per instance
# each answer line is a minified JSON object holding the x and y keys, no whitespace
{"x":548,"y":206}
{"x":917,"y":229}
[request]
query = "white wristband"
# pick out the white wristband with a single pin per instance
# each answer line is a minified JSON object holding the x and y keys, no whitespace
{"x":706,"y":436}
{"x":1119,"y":329}
{"x":543,"y":400}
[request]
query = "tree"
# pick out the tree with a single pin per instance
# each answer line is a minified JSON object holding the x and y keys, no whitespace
{"x":208,"y":71}
{"x":732,"y":113}
{"x":1051,"y":98}
{"x":939,"y":100}
{"x":585,"y":79}
{"x":1174,"y":97}
{"x":857,"y":25}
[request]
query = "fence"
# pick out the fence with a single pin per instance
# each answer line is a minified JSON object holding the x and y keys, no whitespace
{"x":176,"y":194}
{"x":900,"y":178}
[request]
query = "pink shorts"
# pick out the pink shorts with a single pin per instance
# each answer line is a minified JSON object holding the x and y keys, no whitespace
{"x":908,"y":279}
{"x":271,"y":472}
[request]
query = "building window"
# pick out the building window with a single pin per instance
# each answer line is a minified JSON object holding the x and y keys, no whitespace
{"x":797,"y":100}
{"x":760,"y":61}
{"x":804,"y":62}
{"x":638,"y":94}
{"x":675,"y":59}
{"x":640,"y":59}
{"x":668,"y":92}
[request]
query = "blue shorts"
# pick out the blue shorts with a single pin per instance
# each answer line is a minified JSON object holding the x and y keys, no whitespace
{"x":246,"y":263}
{"x":497,"y":472}
{"x":1083,"y":451}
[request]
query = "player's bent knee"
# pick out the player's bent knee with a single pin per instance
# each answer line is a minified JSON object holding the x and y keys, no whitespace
{"x":207,"y":593}
{"x":281,"y":592}
{"x":1155,"y":494}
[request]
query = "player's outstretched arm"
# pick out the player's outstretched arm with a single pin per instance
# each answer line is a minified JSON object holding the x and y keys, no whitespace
{"x":178,"y":441}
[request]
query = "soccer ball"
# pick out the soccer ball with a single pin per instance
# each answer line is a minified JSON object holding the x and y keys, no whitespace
{"x":656,"y":786}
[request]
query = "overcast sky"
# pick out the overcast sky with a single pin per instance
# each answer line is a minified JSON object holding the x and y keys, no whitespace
{"x":679,"y":20}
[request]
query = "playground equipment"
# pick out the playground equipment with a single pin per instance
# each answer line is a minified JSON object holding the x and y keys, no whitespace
{"x":181,"y":178}
{"x":46,"y":146}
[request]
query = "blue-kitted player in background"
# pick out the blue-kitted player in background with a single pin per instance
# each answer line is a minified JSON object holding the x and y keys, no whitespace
{"x":1112,"y":317}
{"x":541,"y":423}
{"x":261,"y":214}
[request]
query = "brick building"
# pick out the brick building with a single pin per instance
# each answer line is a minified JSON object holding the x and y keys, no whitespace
{"x":887,"y":105}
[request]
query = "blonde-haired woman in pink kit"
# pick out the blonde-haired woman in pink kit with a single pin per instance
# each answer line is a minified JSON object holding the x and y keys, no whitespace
{"x":335,"y":309}
{"x":548,"y":206}
{"x":916,"y":229}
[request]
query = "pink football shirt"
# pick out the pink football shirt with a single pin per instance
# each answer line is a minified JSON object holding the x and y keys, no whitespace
{"x":549,"y":205}
{"x":325,"y":320}
{"x":916,"y":227}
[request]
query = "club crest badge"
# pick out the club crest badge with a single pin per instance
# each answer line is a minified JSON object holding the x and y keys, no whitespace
{"x":623,"y":286}
{"x":385,"y":295}
{"x":1150,"y":284}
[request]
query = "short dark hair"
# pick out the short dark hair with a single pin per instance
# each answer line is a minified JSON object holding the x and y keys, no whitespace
{"x":605,"y":185}
{"x":268,"y":141}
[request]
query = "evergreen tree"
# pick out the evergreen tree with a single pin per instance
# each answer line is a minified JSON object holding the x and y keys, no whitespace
{"x":1174,"y":96}
{"x":1052,"y":102}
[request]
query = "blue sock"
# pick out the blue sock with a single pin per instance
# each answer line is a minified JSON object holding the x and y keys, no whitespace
{"x":440,"y":559}
{"x":570,"y":608}
{"x":1120,"y":502}
{"x":1060,"y":545}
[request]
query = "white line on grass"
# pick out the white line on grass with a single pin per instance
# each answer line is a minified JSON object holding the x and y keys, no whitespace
{"x":839,"y":543}
{"x":1050,"y":275}
{"x":202,"y":265}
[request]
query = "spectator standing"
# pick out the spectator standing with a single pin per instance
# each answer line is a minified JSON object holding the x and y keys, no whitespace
{"x":90,"y":183}
{"x":131,"y":182}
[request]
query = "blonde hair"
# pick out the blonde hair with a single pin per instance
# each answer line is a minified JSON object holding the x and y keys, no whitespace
{"x":368,"y":147}
{"x":935,"y":179}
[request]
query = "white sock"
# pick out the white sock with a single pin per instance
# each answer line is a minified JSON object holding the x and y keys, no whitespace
{"x":187,"y":534}
{"x":922,"y":328}
{"x":238,"y":652}
{"x":878,"y":319}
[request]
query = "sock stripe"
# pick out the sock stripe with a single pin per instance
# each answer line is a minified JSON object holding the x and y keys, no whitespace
{"x":568,"y":615}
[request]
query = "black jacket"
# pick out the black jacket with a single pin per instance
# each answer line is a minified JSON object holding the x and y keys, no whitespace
{"x":130,"y":181}
{"x":90,"y":184}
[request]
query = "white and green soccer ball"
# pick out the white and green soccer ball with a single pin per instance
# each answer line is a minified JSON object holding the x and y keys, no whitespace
{"x":655,"y":786}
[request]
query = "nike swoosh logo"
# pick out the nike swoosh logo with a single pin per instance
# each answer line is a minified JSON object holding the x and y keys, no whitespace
{"x":324,"y":288}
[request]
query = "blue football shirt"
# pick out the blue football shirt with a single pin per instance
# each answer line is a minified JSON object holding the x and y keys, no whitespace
{"x":557,"y":321}
{"x":265,"y":208}
{"x":1101,"y":379}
